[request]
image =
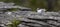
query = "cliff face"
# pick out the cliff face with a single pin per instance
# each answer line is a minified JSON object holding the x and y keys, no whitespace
{"x":48,"y":19}
{"x":33,"y":19}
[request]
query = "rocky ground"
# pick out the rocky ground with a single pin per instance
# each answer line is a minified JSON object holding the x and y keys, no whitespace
{"x":32,"y":19}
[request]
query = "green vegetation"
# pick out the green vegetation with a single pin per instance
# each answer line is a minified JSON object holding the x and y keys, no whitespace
{"x":18,"y":2}
{"x":15,"y":23}
{"x":37,"y":4}
{"x":12,"y":9}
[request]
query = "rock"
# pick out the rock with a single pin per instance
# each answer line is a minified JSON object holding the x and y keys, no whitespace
{"x":32,"y":19}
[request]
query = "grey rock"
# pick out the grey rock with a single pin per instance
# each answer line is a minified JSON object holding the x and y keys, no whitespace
{"x":30,"y":18}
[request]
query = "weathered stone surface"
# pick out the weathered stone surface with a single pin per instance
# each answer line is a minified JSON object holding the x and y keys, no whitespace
{"x":33,"y":19}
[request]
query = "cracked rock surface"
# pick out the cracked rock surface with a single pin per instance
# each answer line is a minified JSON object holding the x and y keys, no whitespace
{"x":33,"y":19}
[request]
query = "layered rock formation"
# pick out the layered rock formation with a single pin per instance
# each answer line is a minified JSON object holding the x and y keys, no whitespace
{"x":33,"y":19}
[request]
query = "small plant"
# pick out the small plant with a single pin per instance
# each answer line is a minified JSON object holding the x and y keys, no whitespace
{"x":15,"y":23}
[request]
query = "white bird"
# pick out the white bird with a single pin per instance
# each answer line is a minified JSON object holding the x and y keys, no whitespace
{"x":9,"y":13}
{"x":40,"y":11}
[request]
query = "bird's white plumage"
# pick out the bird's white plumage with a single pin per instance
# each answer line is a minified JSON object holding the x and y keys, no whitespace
{"x":9,"y":13}
{"x":40,"y":10}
